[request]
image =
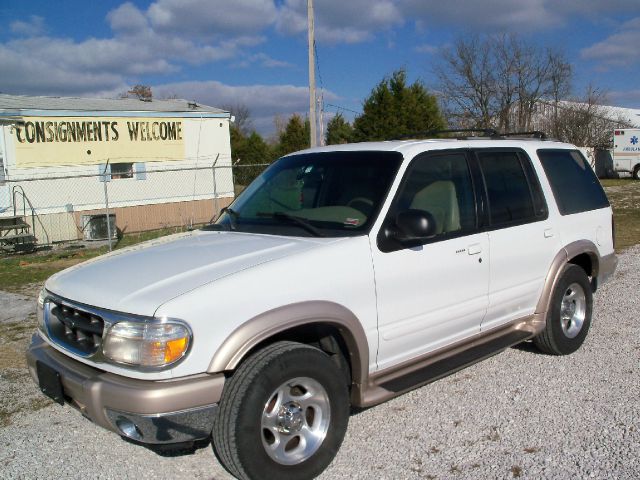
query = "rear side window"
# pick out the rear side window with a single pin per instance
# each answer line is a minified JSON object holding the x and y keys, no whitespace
{"x":512,"y":199}
{"x":575,"y":186}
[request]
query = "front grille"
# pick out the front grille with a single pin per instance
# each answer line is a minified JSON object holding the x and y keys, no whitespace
{"x":73,"y":328}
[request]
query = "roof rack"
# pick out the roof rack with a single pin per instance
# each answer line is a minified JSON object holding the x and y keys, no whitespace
{"x":533,"y":133}
{"x":483,"y":133}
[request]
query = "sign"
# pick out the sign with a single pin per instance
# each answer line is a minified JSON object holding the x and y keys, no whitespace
{"x":56,"y":141}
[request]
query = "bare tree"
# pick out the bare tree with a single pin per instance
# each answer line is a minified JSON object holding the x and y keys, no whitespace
{"x":242,"y":116}
{"x":585,"y":121}
{"x":467,"y":81}
{"x":141,"y":92}
{"x":497,"y":81}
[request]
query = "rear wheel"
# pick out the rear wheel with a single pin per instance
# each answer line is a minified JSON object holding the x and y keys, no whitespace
{"x":636,"y":172}
{"x":569,"y":315}
{"x":283,"y":414}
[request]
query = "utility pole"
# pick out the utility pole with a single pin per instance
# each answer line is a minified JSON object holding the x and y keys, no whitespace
{"x":312,"y":76}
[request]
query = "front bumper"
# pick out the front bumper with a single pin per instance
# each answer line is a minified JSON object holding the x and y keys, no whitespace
{"x":156,"y":412}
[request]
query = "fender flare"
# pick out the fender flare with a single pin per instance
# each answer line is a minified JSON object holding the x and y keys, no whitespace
{"x":557,"y":265}
{"x":264,"y":326}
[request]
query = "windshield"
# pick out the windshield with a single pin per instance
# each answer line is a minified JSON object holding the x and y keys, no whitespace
{"x":317,"y":194}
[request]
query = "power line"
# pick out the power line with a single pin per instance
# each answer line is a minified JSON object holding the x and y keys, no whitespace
{"x":338,"y":107}
{"x":315,"y":50}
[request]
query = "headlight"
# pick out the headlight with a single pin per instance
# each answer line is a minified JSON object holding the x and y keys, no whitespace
{"x":146,"y":344}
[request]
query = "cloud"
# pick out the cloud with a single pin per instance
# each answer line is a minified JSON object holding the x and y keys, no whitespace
{"x":263,"y":60}
{"x":509,"y":15}
{"x":128,"y":19}
{"x":428,"y":49}
{"x":30,"y":28}
{"x":337,"y":21}
{"x":619,"y":49}
{"x":37,"y":64}
{"x":625,"y":98}
{"x":264,"y":101}
{"x":206,"y":18}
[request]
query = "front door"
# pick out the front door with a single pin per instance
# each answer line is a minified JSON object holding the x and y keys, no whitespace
{"x":435,"y":293}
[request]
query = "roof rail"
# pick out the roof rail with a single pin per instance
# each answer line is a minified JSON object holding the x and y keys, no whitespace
{"x":485,"y":132}
{"x":533,"y":133}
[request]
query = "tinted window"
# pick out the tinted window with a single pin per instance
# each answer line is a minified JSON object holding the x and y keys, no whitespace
{"x":328,"y":193}
{"x":440,"y":185}
{"x":575,"y":186}
{"x":510,"y":197}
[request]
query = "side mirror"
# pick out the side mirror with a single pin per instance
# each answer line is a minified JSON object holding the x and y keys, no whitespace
{"x":415,"y":225}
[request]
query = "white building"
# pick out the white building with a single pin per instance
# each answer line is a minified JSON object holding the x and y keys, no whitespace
{"x":155,"y":159}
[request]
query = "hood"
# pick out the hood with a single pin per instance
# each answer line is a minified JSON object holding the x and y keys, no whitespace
{"x":139,"y":279}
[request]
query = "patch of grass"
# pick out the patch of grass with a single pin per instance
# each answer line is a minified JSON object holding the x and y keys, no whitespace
{"x":624,"y":195}
{"x":615,"y":182}
{"x":16,"y":271}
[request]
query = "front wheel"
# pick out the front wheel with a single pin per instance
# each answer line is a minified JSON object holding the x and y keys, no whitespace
{"x":636,"y":172}
{"x":569,"y":315}
{"x":283,"y":414}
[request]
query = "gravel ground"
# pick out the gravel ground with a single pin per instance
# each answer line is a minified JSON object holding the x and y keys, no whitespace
{"x":15,"y":307}
{"x":517,"y":414}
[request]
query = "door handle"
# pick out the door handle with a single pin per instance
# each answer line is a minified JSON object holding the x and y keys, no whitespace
{"x":548,"y":233}
{"x":474,"y":249}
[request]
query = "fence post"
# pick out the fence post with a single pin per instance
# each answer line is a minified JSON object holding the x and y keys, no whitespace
{"x":106,"y":203}
{"x":216,"y":206}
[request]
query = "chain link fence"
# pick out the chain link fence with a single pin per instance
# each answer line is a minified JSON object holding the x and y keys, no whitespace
{"x":120,"y":198}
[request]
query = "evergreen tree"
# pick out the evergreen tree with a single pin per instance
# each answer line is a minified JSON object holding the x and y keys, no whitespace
{"x":339,"y":131}
{"x":294,"y":137}
{"x":395,"y":109}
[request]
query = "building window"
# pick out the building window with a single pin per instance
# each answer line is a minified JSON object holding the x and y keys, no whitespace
{"x":121,"y":170}
{"x":2,"y":174}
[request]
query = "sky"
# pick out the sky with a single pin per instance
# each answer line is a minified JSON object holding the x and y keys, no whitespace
{"x":254,"y":52}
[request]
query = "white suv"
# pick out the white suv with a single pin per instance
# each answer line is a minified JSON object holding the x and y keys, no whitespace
{"x":342,"y":276}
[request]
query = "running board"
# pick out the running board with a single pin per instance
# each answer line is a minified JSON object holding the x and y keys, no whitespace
{"x":447,"y":366}
{"x":389,"y":383}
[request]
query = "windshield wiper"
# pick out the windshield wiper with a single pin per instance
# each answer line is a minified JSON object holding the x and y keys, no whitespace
{"x":301,"y":222}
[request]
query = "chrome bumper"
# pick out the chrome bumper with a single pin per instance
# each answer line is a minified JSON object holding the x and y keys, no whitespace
{"x":156,"y":412}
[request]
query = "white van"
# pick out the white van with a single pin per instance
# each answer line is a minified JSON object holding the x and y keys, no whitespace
{"x":626,"y":151}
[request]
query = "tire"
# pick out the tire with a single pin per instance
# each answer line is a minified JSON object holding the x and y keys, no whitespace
{"x":569,"y":315}
{"x":282,"y":415}
{"x":636,"y":172}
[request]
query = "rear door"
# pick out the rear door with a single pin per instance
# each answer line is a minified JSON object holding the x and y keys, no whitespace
{"x":523,"y":240}
{"x":434,"y":293}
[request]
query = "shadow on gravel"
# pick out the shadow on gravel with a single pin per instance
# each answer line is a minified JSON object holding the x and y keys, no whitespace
{"x":172,"y":450}
{"x":528,"y":347}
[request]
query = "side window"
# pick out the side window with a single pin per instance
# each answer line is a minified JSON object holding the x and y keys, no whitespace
{"x":121,"y":170}
{"x":442,"y":186}
{"x":575,"y":186}
{"x":511,"y":199}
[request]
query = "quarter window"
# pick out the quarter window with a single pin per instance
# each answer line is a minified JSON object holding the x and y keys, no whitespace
{"x":575,"y":186}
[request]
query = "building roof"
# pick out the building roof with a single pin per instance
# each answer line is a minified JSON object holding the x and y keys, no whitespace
{"x":12,"y":105}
